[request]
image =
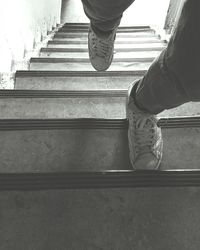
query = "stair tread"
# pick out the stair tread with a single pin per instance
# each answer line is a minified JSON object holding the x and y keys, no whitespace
{"x":83,"y":64}
{"x":53,"y":150}
{"x":118,"y":55}
{"x":63,"y":80}
{"x":141,"y":218}
{"x":107,"y":104}
{"x":84,"y":80}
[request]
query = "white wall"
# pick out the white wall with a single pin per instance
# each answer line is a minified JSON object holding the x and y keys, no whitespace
{"x":141,"y":12}
{"x":174,"y":14}
{"x":147,"y":12}
{"x":23,"y":23}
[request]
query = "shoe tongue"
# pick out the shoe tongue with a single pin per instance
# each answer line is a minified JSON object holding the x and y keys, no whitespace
{"x":143,"y":123}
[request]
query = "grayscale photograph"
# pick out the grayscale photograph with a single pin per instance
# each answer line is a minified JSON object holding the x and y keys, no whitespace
{"x":99,"y":125}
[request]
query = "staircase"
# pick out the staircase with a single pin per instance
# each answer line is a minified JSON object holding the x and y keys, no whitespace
{"x":64,"y":116}
{"x":64,"y":127}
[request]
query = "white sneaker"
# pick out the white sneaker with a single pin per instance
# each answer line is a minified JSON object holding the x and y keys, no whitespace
{"x":144,"y":136}
{"x":101,"y":48}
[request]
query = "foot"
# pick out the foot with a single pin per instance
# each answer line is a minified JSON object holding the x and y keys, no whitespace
{"x":101,"y":49}
{"x":144,"y":136}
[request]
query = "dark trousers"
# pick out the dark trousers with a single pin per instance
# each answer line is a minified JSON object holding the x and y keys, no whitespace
{"x":174,"y":77}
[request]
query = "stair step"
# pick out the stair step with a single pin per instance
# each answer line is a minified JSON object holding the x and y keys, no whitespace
{"x":118,"y":42}
{"x":118,"y":35}
{"x":118,"y":46}
{"x":75,"y":25}
{"x":79,"y":50}
{"x":141,"y":218}
{"x":27,"y":104}
{"x":89,"y":145}
{"x":82,"y":64}
{"x":118,"y":39}
{"x":66,"y":80}
{"x":83,"y":53}
{"x":107,"y":104}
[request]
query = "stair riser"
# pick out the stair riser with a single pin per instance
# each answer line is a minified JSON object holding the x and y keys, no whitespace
{"x":74,"y":83}
{"x":93,"y":150}
{"x":149,"y":54}
{"x":78,"y":66}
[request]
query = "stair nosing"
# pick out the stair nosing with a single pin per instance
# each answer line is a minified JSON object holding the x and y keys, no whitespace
{"x":46,"y":73}
{"x":121,"y":26}
{"x":121,"y":35}
{"x":92,"y":123}
{"x":79,"y":50}
{"x":86,"y":60}
{"x":63,"y":93}
{"x":117,"y":42}
{"x":97,"y":180}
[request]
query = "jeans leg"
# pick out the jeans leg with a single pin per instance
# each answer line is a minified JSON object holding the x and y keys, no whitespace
{"x":105,"y":15}
{"x":173,"y":78}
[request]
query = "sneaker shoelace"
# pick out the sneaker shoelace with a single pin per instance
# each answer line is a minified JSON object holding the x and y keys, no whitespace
{"x":101,"y":47}
{"x":144,"y":135}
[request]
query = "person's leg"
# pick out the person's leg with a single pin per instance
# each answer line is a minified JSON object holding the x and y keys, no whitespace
{"x":172,"y":80}
{"x":105,"y":15}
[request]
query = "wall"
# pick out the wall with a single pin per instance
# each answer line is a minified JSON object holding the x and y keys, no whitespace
{"x":173,"y":14}
{"x":141,"y":12}
{"x":145,"y":12}
{"x":23,"y":24}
